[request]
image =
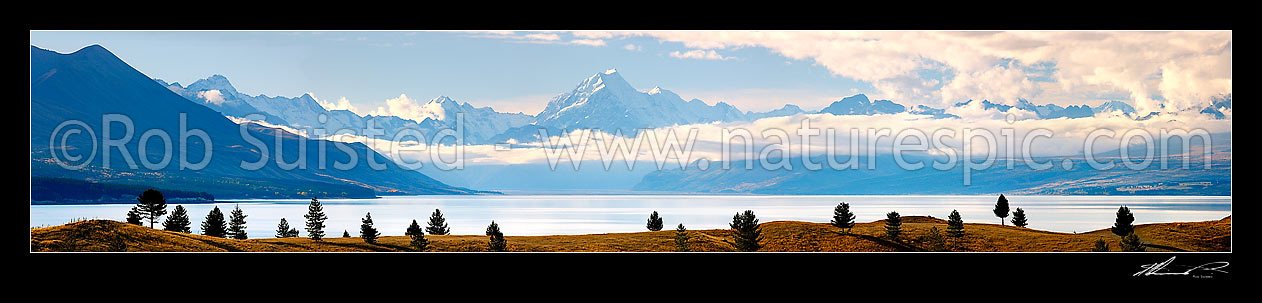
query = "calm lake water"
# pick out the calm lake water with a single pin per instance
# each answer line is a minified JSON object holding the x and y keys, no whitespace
{"x":578,"y":214}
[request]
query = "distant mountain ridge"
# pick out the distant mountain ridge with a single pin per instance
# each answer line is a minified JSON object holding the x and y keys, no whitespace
{"x":860,"y":105}
{"x":1046,"y":111}
{"x":1115,"y":107}
{"x":304,"y":112}
{"x":1219,"y":108}
{"x":602,"y":101}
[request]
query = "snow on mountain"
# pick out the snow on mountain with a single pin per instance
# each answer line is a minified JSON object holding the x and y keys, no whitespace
{"x":1046,"y":111}
{"x":480,"y":123}
{"x":1117,"y":108}
{"x":1053,"y":111}
{"x":304,"y":112}
{"x":602,"y":101}
{"x":218,"y":94}
{"x":606,"y":101}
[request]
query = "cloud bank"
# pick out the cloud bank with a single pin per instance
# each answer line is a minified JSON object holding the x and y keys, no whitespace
{"x":1175,"y":70}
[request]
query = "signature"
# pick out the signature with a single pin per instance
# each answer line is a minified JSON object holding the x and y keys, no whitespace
{"x":1165,"y":268}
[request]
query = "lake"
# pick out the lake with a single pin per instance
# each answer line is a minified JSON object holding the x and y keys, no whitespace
{"x":591,"y":214}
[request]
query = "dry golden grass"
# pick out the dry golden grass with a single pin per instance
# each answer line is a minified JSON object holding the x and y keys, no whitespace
{"x":104,"y":235}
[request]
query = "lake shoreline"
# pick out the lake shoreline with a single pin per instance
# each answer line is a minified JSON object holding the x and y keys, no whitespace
{"x":778,"y":236}
{"x":572,"y":214}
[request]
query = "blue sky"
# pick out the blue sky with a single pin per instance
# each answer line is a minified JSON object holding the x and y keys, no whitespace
{"x":506,"y":73}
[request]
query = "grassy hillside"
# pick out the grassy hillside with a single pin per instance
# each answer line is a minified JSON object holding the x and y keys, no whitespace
{"x":104,"y":235}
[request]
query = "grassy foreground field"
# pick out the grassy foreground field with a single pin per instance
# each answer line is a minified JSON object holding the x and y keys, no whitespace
{"x":105,"y":235}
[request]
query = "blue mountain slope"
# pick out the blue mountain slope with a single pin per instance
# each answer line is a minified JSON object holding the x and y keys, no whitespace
{"x":92,"y":82}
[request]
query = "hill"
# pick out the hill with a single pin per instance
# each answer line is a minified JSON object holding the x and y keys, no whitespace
{"x":779,"y":236}
{"x":92,"y":84}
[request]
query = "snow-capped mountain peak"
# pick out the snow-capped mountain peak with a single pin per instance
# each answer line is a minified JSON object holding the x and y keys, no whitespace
{"x":442,"y":99}
{"x":606,"y":101}
{"x":1114,"y":108}
{"x":609,"y":80}
{"x":214,"y":82}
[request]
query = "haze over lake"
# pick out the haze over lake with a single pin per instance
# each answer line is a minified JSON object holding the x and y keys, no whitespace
{"x":521,"y":215}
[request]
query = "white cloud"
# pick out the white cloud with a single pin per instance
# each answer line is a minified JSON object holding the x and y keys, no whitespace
{"x":211,"y":96}
{"x":999,"y":84}
{"x":548,"y":37}
{"x":592,"y":34}
{"x":544,"y":37}
{"x":402,"y":107}
{"x":1184,"y":67}
{"x":632,"y":47}
{"x":588,"y":42}
{"x":1068,"y":136}
{"x":341,"y":104}
{"x":700,"y":54}
{"x":762,"y":99}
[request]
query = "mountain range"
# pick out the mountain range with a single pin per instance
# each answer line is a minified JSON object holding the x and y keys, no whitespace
{"x":603,"y":101}
{"x":90,"y":83}
{"x":305,"y":112}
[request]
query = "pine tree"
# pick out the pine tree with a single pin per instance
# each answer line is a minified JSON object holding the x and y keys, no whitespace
{"x":933,"y":240}
{"x":282,"y":229}
{"x":842,"y":218}
{"x":315,"y":220}
{"x":745,"y":231}
{"x":178,"y":220}
{"x":1131,"y":243}
{"x":1122,"y":226}
{"x":497,"y":242}
{"x":1100,"y":246}
{"x":414,"y":231}
{"x":367,"y":231}
{"x":955,"y":225}
{"x":1018,"y":218}
{"x":215,"y":225}
{"x":893,"y":225}
{"x":655,"y":222}
{"x":346,"y":234}
{"x":419,"y":243}
{"x":152,"y":205}
{"x":437,"y":224}
{"x":681,"y":238}
{"x":1001,"y":208}
{"x":236,"y":224}
{"x":133,"y":216}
